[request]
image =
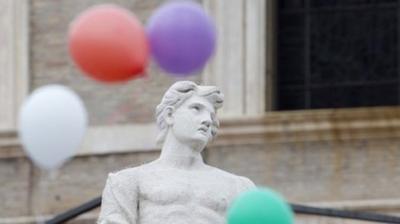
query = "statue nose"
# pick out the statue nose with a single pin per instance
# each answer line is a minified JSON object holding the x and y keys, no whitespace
{"x":206,"y":123}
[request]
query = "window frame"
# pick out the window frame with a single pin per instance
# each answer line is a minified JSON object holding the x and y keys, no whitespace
{"x":14,"y":56}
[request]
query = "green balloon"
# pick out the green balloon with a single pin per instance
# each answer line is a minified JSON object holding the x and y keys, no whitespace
{"x":260,"y":206}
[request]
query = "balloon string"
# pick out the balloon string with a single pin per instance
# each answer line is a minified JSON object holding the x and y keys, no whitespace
{"x":41,"y":194}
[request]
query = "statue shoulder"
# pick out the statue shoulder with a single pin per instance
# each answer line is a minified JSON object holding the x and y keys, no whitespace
{"x":244,"y":183}
{"x":241,"y":181}
{"x":221,"y":173}
{"x":128,"y":176}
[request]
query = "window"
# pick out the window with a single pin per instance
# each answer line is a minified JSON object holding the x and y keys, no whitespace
{"x":337,"y":53}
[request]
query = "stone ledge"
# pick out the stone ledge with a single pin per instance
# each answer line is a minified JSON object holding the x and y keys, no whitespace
{"x":312,"y":125}
{"x":90,"y":217}
{"x":334,"y":125}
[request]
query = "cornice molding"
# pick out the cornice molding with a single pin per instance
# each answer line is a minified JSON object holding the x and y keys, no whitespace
{"x":312,"y":125}
{"x":334,"y":125}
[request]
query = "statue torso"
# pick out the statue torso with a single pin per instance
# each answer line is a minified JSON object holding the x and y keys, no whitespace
{"x":169,"y":195}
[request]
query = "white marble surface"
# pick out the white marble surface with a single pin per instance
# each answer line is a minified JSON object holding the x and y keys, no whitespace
{"x":178,"y":187}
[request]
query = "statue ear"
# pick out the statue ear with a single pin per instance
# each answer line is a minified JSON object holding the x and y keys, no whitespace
{"x":169,"y":115}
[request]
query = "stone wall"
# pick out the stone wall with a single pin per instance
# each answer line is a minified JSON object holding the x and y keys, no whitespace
{"x":131,"y":102}
{"x":319,"y":172}
{"x":360,"y":173}
{"x":16,"y":187}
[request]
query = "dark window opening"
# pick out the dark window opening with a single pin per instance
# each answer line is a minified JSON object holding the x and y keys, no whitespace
{"x":337,"y":53}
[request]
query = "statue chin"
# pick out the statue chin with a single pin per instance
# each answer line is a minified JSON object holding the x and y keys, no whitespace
{"x":197,"y":141}
{"x":197,"y":144}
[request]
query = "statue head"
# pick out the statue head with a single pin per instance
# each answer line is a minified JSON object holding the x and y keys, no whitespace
{"x":187,"y":108}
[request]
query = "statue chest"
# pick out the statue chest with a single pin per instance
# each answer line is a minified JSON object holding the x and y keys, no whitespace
{"x":201,"y":189}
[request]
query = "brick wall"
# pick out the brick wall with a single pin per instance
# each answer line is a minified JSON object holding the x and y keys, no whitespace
{"x":131,"y":102}
{"x":302,"y":172}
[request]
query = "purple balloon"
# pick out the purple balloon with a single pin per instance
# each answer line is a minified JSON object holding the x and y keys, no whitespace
{"x":182,"y":37}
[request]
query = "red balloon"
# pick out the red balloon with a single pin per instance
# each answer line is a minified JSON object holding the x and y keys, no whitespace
{"x":109,"y":44}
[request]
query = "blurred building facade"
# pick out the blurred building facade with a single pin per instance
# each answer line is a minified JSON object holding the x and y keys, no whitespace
{"x":342,"y":155}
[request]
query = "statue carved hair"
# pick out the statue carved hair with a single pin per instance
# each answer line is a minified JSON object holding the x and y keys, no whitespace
{"x":177,"y":94}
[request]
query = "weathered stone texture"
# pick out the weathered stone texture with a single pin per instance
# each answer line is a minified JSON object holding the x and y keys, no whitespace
{"x":80,"y":180}
{"x":302,"y":172}
{"x":310,"y":219}
{"x":15,"y":187}
{"x":320,"y":171}
{"x":131,"y":102}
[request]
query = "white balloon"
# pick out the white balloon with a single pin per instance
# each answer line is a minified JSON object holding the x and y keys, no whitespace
{"x":52,"y":124}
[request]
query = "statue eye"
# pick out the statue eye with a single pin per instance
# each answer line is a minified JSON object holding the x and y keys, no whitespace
{"x":195,"y":108}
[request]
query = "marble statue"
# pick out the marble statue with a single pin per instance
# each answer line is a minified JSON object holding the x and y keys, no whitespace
{"x":178,"y":187}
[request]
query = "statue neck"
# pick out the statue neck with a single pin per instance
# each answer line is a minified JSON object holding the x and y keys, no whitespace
{"x":181,"y":155}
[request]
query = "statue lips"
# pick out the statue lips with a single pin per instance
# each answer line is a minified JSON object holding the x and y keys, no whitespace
{"x":203,"y":129}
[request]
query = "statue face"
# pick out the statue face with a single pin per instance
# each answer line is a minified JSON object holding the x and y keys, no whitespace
{"x":192,"y":121}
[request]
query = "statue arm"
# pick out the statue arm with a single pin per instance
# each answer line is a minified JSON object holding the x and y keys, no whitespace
{"x":117,"y":205}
